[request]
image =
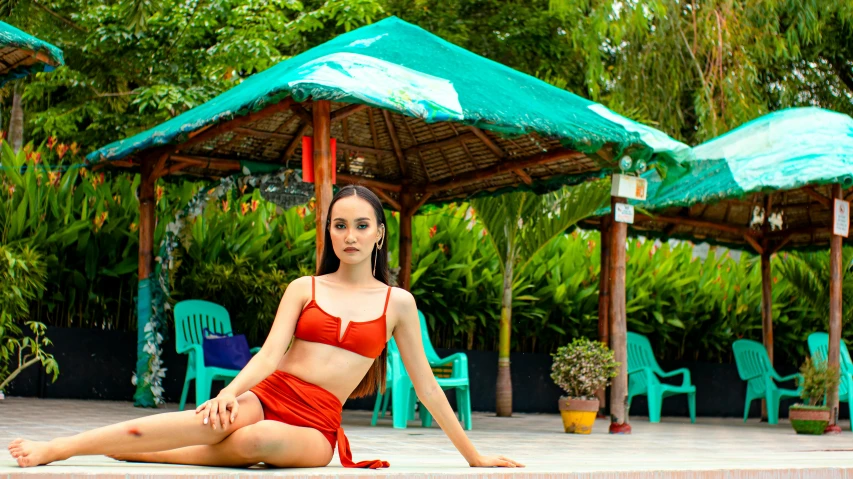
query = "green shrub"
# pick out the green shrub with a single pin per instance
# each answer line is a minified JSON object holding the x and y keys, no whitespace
{"x":818,"y":379}
{"x":583,"y":367}
{"x":22,"y":276}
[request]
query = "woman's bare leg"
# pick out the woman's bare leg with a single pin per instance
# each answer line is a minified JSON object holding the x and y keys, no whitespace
{"x":157,"y":432}
{"x":274,"y":443}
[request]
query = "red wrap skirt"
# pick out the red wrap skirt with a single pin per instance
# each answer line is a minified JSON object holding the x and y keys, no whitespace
{"x":288,"y":399}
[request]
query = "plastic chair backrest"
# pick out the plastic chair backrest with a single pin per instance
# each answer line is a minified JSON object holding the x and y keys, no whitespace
{"x":431,"y":355}
{"x":819,"y":346}
{"x":193,"y":316}
{"x":751,"y":359}
{"x":640,"y":354}
{"x":819,"y":350}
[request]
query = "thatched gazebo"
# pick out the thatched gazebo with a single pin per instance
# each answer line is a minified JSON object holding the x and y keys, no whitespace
{"x":415,"y":118}
{"x":765,"y":186}
{"x":22,"y":54}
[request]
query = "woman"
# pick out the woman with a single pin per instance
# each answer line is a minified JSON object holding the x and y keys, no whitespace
{"x":284,"y":408}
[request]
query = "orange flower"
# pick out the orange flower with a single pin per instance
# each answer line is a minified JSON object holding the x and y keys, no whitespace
{"x":61,"y":150}
{"x":35,"y":157}
{"x":11,"y":190}
{"x":225,"y":206}
{"x":254,"y":205}
{"x":133,"y":227}
{"x":158,"y":192}
{"x":432,"y":231}
{"x":100,"y":219}
{"x":394,"y":214}
{"x":54,"y":178}
{"x":301,"y":211}
{"x":51,"y":142}
{"x":3,"y":135}
{"x":84,"y":172}
{"x":75,"y":148}
{"x":244,"y":207}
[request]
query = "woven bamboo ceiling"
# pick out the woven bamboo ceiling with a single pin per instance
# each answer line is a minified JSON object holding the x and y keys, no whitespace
{"x":799,"y":219}
{"x":12,"y":58}
{"x":385,"y":151}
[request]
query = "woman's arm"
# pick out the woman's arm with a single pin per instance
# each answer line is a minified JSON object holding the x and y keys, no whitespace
{"x":265,"y":361}
{"x":407,"y":334}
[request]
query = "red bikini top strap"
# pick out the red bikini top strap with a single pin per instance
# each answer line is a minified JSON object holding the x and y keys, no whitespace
{"x":387,"y":297}
{"x":312,"y":288}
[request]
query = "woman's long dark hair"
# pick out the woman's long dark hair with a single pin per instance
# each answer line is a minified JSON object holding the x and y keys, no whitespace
{"x":329,"y":263}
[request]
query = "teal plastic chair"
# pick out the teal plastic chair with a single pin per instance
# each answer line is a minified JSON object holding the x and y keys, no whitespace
{"x":400,"y":390}
{"x":643,"y":374}
{"x":819,"y":350}
{"x":191,"y":318}
{"x":754,"y":367}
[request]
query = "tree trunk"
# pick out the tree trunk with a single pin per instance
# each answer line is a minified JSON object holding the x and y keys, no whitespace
{"x":504,"y":386}
{"x":604,"y":302}
{"x":16,"y":122}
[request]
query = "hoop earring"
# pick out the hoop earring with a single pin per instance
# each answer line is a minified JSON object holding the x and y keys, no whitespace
{"x":375,"y":259}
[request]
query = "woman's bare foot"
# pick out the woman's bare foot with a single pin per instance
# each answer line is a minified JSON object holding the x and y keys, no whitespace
{"x":32,"y":453}
{"x":136,"y":457}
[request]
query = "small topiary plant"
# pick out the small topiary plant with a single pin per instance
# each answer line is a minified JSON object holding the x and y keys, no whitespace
{"x":583,"y":367}
{"x":818,"y":378}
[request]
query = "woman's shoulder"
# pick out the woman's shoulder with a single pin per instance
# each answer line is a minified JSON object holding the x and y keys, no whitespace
{"x":301,"y":284}
{"x":402,"y":300}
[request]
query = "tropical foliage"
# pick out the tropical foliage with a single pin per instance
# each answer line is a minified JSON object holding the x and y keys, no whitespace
{"x":693,"y":69}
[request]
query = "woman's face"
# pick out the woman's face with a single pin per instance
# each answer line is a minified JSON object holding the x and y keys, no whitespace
{"x":354,"y":229}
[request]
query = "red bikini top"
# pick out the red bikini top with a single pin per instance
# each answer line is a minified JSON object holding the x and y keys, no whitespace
{"x":366,"y":338}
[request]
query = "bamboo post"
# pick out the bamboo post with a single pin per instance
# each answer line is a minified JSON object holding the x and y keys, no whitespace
{"x":322,"y":170}
{"x":618,"y":324}
{"x":604,"y":301}
{"x":835,"y":299}
{"x":405,"y":253}
{"x":146,"y":267}
{"x":766,"y":313}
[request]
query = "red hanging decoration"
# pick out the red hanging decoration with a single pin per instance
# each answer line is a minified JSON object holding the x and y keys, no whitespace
{"x":308,"y":159}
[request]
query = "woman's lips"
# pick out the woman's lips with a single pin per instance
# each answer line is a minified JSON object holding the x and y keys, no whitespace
{"x":350,"y":250}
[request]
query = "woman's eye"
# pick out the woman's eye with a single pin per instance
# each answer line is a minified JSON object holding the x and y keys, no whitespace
{"x":361,"y":227}
{"x":340,"y":226}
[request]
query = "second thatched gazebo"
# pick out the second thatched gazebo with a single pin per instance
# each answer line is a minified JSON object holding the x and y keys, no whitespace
{"x":769,"y":184}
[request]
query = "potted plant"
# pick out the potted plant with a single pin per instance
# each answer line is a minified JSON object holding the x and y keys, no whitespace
{"x":582,"y":368}
{"x":817,"y":379}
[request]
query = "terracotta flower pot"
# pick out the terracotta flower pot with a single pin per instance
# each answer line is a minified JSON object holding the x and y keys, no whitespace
{"x":578,"y":414}
{"x":809,"y":419}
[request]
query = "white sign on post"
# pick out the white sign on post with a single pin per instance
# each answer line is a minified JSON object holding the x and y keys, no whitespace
{"x":626,"y":186}
{"x":624,"y":213}
{"x":841,"y":218}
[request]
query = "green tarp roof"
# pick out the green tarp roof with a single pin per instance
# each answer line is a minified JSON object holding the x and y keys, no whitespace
{"x":394,"y":65}
{"x":783,"y":150}
{"x":12,"y":39}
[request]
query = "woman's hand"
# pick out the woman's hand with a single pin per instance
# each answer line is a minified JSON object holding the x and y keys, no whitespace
{"x":495,"y":461}
{"x":216,"y":411}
